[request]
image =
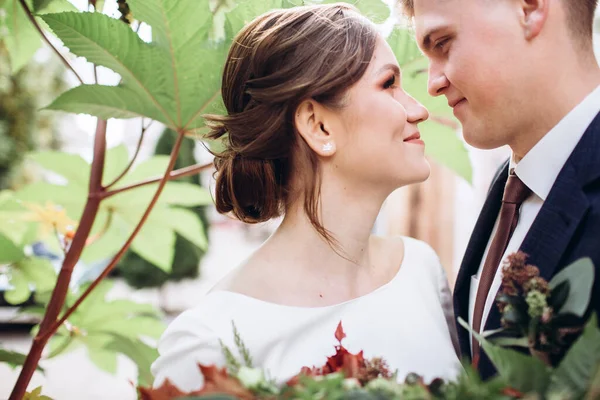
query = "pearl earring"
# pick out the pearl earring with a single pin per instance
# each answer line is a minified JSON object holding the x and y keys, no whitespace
{"x":327,"y":147}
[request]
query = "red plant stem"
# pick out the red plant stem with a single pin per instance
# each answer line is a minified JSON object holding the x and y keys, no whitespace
{"x":61,"y":289}
{"x":117,"y":257}
{"x":178,"y":173}
{"x":41,"y":32}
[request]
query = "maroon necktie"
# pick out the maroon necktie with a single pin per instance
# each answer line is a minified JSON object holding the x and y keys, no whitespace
{"x":515,"y":192}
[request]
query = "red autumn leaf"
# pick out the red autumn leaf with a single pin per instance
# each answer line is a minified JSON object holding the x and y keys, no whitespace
{"x":339,"y":333}
{"x":218,"y":381}
{"x":508,"y":391}
{"x":166,"y":391}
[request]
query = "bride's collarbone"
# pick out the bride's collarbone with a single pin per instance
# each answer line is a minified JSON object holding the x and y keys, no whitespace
{"x":282,"y":283}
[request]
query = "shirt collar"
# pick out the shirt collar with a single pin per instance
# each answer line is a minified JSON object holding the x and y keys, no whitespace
{"x":542,"y":164}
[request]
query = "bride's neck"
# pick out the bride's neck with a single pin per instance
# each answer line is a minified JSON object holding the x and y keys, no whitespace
{"x":349,"y":217}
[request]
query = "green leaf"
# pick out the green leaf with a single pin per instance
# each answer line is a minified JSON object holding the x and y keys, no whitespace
{"x":9,"y":252}
{"x":36,"y":394}
{"x":153,"y":167}
{"x":54,"y":6}
{"x":580,"y":276}
{"x":186,"y":223}
{"x":376,"y":10}
{"x":110,"y":240}
{"x":72,"y":167}
{"x":104,"y":359}
{"x":246,"y":10}
{"x":14,"y":359}
{"x":445,"y":147}
{"x":71,"y":197}
{"x":404,"y":46}
{"x":117,"y":159}
{"x":174,"y":193}
{"x":39,"y":5}
{"x":180,"y":29}
{"x":575,"y":372}
{"x":140,"y":353}
{"x":156,"y":245}
{"x":509,"y":341}
{"x":524,"y":373}
{"x":25,"y":274}
{"x":22,"y":40}
{"x":107,"y":102}
{"x":110,"y":43}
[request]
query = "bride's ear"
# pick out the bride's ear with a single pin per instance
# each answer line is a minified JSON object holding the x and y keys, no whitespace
{"x":311,"y":122}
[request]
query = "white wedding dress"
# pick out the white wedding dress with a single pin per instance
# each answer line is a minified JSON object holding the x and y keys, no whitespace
{"x":408,"y":322}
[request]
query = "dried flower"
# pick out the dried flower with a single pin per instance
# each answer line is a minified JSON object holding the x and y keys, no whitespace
{"x":538,"y":284}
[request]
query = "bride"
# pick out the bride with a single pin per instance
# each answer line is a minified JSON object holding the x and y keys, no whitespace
{"x":319,"y":130}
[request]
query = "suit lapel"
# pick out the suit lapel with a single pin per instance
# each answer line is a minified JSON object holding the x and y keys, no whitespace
{"x":475,"y":249}
{"x":565,"y":206}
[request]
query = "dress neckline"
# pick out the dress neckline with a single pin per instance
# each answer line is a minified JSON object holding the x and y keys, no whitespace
{"x":381,"y":288}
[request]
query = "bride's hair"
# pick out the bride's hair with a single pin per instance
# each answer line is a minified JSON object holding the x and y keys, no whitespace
{"x":278,"y":60}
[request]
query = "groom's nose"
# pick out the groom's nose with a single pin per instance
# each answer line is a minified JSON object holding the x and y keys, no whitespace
{"x":437,"y":81}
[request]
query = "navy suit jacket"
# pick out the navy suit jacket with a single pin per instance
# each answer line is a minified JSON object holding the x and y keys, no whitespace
{"x":567,"y":228}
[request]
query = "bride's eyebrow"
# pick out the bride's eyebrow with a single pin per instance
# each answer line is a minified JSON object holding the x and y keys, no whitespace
{"x":388,"y":67}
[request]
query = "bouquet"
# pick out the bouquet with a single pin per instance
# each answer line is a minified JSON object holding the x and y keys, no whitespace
{"x":562,"y":358}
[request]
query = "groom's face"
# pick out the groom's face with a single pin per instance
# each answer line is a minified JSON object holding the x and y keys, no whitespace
{"x":475,"y":51}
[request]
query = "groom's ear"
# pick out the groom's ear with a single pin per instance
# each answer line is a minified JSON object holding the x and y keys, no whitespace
{"x":534,"y":14}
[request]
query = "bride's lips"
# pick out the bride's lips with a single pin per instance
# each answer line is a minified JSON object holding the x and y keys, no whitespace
{"x":415,"y":138}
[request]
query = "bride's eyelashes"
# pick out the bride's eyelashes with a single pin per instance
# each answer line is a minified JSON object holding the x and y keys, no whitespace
{"x":390,"y":83}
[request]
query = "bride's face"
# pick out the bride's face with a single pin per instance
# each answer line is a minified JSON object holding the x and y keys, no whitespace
{"x":380,"y":142}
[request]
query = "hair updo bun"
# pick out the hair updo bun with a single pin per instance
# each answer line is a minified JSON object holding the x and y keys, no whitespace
{"x":276,"y":61}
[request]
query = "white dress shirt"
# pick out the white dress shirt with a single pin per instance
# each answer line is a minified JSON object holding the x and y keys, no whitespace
{"x":538,"y":170}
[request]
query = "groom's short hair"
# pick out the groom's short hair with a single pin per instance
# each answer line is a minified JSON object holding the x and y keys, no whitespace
{"x":580,"y":15}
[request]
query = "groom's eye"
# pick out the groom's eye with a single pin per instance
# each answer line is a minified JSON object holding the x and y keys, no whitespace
{"x":439,"y":45}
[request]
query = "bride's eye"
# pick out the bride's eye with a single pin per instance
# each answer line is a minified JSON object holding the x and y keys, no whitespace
{"x":390,"y":82}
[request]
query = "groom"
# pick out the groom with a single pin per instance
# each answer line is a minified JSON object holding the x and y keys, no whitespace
{"x":520,"y":73}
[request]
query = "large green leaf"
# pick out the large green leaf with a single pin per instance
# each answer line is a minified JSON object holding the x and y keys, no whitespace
{"x":98,"y":320}
{"x":156,"y":244}
{"x":180,"y":29}
{"x":71,"y":197}
{"x":14,"y":359}
{"x":109,"y":241}
{"x":72,"y":167}
{"x":115,"y":163}
{"x":9,"y":252}
{"x":140,"y":353}
{"x":107,"y":102}
{"x":576,"y":370}
{"x":580,"y":276}
{"x":22,"y":40}
{"x":446,"y":148}
{"x":246,"y":10}
{"x":175,"y":193}
{"x":173,"y":79}
{"x":185,"y":222}
{"x":110,"y":43}
{"x":32,"y":272}
{"x":376,"y":10}
{"x":524,"y":373}
{"x":403,"y":44}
